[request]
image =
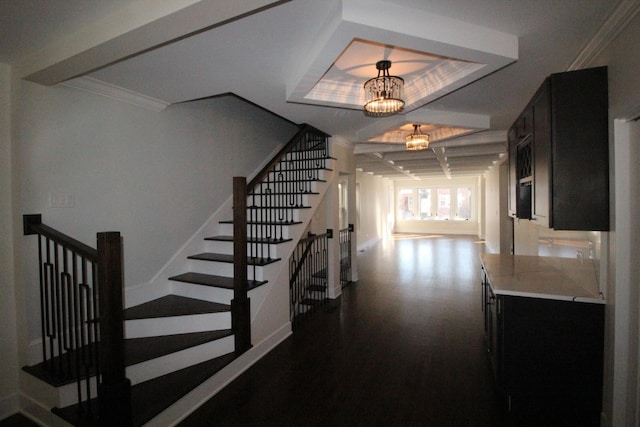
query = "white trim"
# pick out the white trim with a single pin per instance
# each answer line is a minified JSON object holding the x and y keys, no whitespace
{"x":40,"y":414}
{"x":98,"y":87}
{"x":8,"y":406}
{"x":612,"y":26}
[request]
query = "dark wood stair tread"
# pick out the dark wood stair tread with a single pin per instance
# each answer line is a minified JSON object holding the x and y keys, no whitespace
{"x":317,"y":288}
{"x":213,"y":280}
{"x":209,"y":256}
{"x":277,"y":193}
{"x":288,"y":181}
{"x":230,"y":221}
{"x":150,"y":398}
{"x":173,"y":305}
{"x":278,"y":207}
{"x":318,"y":168}
{"x":312,"y":302}
{"x":225,"y":238}
{"x":136,"y":350}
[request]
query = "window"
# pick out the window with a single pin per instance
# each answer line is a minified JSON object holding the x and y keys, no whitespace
{"x":436,"y":203}
{"x":406,"y":203}
{"x":424,"y":200}
{"x":464,"y":204}
{"x":444,"y":203}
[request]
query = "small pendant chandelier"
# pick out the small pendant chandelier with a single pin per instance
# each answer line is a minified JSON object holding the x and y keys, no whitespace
{"x":417,"y":140}
{"x":383,"y":94}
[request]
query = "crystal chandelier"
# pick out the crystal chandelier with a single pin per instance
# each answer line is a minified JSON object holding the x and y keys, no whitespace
{"x":417,"y":140}
{"x":383,"y":94}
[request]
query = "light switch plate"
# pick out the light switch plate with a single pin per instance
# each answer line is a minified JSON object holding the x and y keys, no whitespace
{"x":61,"y":200}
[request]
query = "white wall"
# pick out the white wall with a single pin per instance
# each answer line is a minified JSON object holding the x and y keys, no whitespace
{"x":155,"y":177}
{"x":622,"y":384}
{"x":374,"y":209}
{"x":494,"y":209}
{"x":8,"y":333}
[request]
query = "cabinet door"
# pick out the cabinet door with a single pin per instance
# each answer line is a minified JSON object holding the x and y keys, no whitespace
{"x":541,"y":212}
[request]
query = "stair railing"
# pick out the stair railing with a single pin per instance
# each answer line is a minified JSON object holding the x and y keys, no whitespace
{"x":308,"y":266}
{"x":345,"y":255}
{"x":263,"y":207}
{"x":82,"y":320}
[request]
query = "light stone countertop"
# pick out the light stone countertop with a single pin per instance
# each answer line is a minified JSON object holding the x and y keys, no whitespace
{"x":543,"y":277}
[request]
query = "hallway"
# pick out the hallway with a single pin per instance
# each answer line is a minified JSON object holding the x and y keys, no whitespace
{"x":403,"y":347}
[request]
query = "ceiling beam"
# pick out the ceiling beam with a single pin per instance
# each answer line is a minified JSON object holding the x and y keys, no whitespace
{"x":138,"y":27}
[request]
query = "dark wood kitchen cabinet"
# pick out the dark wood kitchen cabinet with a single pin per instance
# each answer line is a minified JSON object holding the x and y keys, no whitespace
{"x":546,"y":355}
{"x":565,"y":127}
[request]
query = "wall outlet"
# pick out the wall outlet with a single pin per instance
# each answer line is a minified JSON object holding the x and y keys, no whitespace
{"x":61,"y":200}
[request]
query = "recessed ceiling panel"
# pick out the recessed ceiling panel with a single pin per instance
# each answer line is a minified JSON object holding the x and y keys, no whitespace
{"x":423,"y":73}
{"x":433,"y":59}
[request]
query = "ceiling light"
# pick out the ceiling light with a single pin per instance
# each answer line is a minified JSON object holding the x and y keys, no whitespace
{"x":383,"y":94}
{"x":417,"y":140}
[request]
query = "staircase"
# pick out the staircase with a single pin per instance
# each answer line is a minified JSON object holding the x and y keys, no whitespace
{"x":181,"y":339}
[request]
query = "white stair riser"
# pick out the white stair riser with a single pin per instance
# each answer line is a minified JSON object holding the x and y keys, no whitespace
{"x":150,"y":369}
{"x":289,"y":175}
{"x":227,"y":229}
{"x":289,"y":187}
{"x":207,"y":293}
{"x":286,"y":201}
{"x":224,"y":247}
{"x":177,"y":325}
{"x":222,"y":269}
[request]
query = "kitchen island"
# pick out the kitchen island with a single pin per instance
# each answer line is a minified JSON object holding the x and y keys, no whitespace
{"x":544,"y":323}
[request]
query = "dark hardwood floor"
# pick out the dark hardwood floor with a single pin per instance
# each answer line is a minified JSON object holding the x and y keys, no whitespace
{"x":404,"y":346}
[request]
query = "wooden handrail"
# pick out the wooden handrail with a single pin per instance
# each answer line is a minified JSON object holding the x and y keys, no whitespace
{"x":32,"y":224}
{"x":304,"y":129}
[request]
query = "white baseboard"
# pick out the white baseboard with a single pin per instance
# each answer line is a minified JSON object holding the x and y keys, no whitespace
{"x":205,"y":391}
{"x":40,"y":415}
{"x":9,"y":406}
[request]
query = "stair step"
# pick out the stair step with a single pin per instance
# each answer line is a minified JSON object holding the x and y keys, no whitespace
{"x":136,"y":350}
{"x":302,"y":169}
{"x":284,"y":181}
{"x":229,"y":221}
{"x":213,"y":280}
{"x":150,"y":398}
{"x":275,"y":193}
{"x":308,"y":159}
{"x":320,"y":274}
{"x":264,"y":240}
{"x":173,"y":305}
{"x":208,"y":256}
{"x":312,"y":302}
{"x":278,"y":207}
{"x":317,"y":288}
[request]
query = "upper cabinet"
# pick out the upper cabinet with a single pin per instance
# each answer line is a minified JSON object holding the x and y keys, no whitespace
{"x":559,"y":154}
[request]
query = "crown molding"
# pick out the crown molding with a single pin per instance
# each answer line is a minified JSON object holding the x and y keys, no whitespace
{"x":612,"y":26}
{"x":98,"y":87}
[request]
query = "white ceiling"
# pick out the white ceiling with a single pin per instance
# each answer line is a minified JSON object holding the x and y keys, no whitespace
{"x":277,"y":56}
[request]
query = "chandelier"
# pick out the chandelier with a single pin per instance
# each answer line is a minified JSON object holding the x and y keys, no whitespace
{"x":417,"y":140}
{"x":383,"y":94}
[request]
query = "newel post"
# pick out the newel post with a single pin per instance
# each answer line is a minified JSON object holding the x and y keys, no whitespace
{"x":240,"y":305}
{"x":114,"y":391}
